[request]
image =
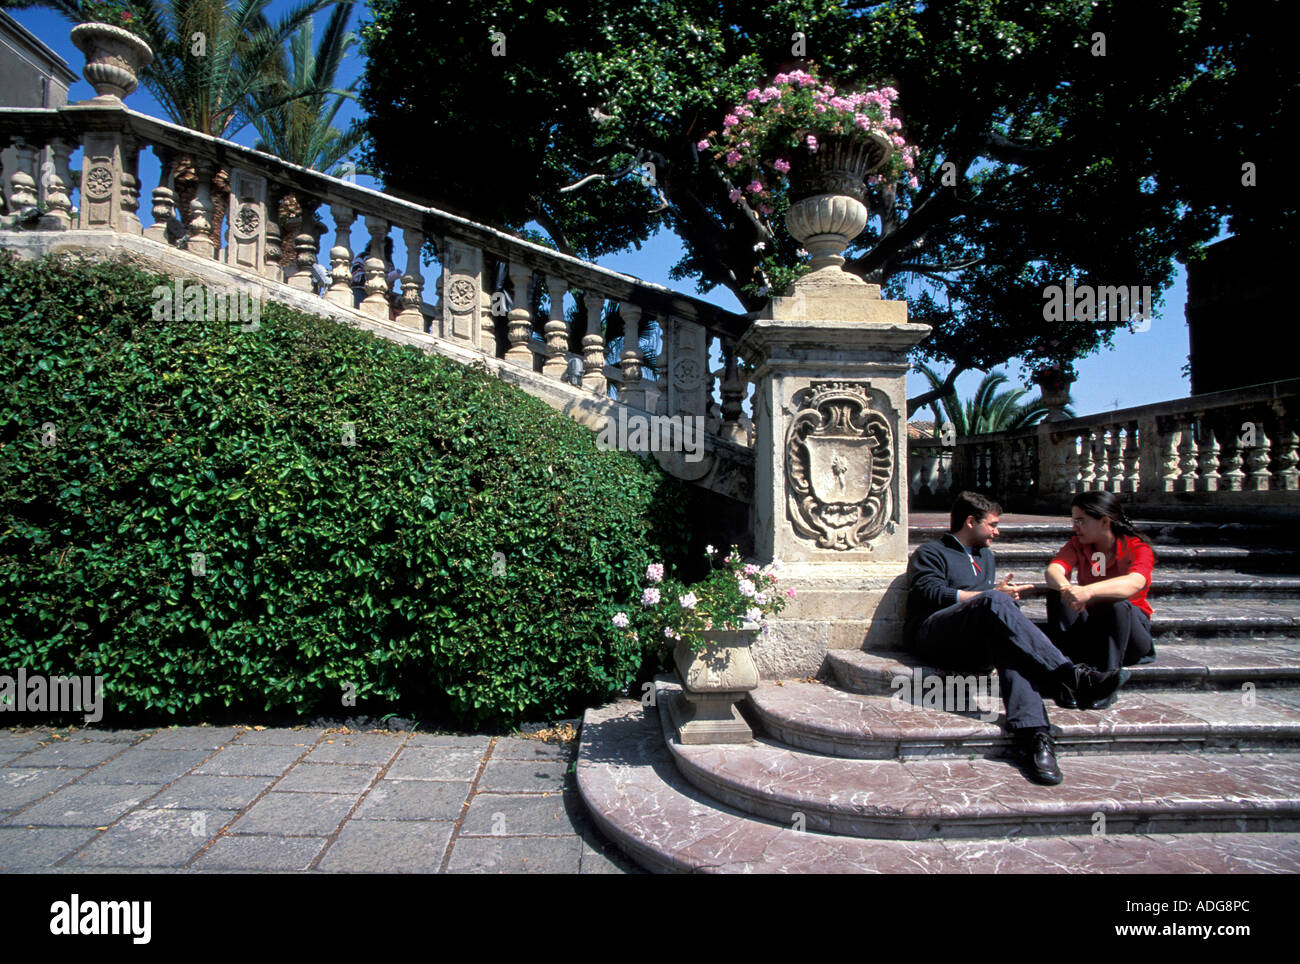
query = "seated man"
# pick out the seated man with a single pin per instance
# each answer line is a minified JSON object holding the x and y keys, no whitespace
{"x":957,"y":619}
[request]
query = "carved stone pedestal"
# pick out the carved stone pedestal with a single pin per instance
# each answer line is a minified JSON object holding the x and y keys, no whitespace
{"x":714,"y":680}
{"x":830,"y":476}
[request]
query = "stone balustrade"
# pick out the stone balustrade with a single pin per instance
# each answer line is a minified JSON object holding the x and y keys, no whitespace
{"x":272,"y":230}
{"x":1218,"y":451}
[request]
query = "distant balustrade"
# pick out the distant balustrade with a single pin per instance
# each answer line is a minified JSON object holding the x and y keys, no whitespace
{"x":1234,"y":448}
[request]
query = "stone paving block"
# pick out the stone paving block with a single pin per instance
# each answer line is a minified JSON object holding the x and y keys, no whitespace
{"x":147,"y":766}
{"x":413,"y":800}
{"x":72,"y":753}
{"x":328,"y":778}
{"x":282,"y":736}
{"x":389,"y":847}
{"x":84,"y":805}
{"x":435,"y":763}
{"x":152,"y":837}
{"x":525,"y":775}
{"x":15,"y":741}
{"x":260,"y":853}
{"x":205,"y":792}
{"x":606,"y":859}
{"x":191,"y":738}
{"x":27,"y":850}
{"x":291,"y":814}
{"x":515,"y":748}
{"x":516,"y":815}
{"x":251,"y":761}
{"x":110,"y":736}
{"x":475,"y":744}
{"x":369,"y":748}
{"x":20,"y":786}
{"x":516,"y":855}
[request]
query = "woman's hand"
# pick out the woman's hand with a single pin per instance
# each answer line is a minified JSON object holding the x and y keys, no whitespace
{"x":1076,"y":597}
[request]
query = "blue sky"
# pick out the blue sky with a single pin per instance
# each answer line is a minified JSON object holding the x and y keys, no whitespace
{"x":1142,"y":368}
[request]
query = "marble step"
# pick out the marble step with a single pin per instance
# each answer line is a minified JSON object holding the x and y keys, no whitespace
{"x":1034,"y":557}
{"x":1225,"y":664}
{"x":1185,"y":618}
{"x":825,"y":719}
{"x":1191,"y":584}
{"x":1160,"y":533}
{"x":924,"y":798}
{"x":638,"y":799}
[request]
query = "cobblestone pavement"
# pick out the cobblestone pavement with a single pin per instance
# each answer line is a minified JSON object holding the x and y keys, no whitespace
{"x":233,"y":799}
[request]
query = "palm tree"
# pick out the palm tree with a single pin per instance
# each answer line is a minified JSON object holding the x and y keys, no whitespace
{"x":989,"y":410}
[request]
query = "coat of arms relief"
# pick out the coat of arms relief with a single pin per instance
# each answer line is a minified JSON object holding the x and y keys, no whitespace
{"x":839,"y":465}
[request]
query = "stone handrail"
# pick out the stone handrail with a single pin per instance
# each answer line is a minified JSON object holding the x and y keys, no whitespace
{"x":255,"y":213}
{"x":1222,"y":450}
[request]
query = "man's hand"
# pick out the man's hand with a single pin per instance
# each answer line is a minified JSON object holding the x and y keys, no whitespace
{"x":1076,"y":597}
{"x":1013,"y":591}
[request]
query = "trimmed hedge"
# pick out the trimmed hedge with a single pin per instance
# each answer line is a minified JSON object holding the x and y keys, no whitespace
{"x":327,"y":567}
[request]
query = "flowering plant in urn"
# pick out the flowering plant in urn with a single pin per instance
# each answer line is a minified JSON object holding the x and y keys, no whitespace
{"x":733,"y":596}
{"x":773,"y":137}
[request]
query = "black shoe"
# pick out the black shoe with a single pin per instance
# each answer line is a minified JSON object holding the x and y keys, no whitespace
{"x":1065,"y":698}
{"x":1039,"y":754}
{"x":1092,"y":686}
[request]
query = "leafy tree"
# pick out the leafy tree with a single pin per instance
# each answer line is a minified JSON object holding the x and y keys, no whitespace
{"x":1093,"y":140}
{"x":989,"y":410}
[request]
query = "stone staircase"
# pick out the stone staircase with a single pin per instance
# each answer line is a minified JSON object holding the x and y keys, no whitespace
{"x":1195,"y":769}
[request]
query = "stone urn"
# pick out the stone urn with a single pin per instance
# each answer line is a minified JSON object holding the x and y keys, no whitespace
{"x":829,"y":191}
{"x":1054,"y":384}
{"x":714,"y":679}
{"x":114,"y":58}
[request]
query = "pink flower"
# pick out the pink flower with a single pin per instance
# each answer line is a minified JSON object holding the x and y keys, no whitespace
{"x":819,"y":108}
{"x":733,"y":195}
{"x":752,"y":95}
{"x":862,"y":121}
{"x":770,"y":93}
{"x":766,"y":208}
{"x":655,"y":572}
{"x":812,"y":143}
{"x":751,"y":570}
{"x":731,"y":120}
{"x":781,"y":164}
{"x":754,"y":614}
{"x":784,"y":78}
{"x":733,"y":158}
{"x":650,"y":597}
{"x":702,"y":145}
{"x":755,"y":187}
{"x":912,"y":182}
{"x":898,"y":141}
{"x":790,"y":592}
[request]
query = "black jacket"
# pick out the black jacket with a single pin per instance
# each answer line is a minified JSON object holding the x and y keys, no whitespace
{"x":937,"y":570}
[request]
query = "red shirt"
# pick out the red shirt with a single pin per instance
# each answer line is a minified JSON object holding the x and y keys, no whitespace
{"x":1128,"y":555}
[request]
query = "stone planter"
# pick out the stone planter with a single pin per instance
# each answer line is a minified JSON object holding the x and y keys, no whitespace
{"x":114,"y":58}
{"x":1055,"y":388}
{"x":714,"y":680}
{"x":829,"y":186}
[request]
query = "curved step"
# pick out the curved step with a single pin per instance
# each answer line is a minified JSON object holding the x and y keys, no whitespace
{"x":638,"y":800}
{"x":1202,"y":665}
{"x":828,"y":720}
{"x":1034,"y":556}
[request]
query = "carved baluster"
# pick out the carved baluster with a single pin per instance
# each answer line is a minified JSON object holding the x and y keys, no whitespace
{"x":1031,"y":464}
{"x":1114,"y":460}
{"x":1258,"y":478}
{"x":22,"y":182}
{"x":1132,"y":459}
{"x":1087,"y":471}
{"x":130,"y":219}
{"x":1234,"y":457}
{"x":1209,"y":468}
{"x":1169,"y":461}
{"x":557,"y":329}
{"x":1101,"y":468}
{"x":593,"y":345}
{"x":1187,"y":476}
{"x":198,"y":224}
{"x":733,"y":393}
{"x":340,"y":289}
{"x":375,"y":303}
{"x":633,"y":391}
{"x":164,"y":197}
{"x":306,"y":246}
{"x":1288,"y":460}
{"x":274,"y":252}
{"x":56,"y":181}
{"x":411,"y":315}
{"x":519,"y":329}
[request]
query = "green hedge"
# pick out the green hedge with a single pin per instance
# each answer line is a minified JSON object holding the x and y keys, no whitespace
{"x":327,"y":565}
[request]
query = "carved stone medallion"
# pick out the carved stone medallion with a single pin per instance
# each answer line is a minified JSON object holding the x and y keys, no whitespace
{"x":462,"y":294}
{"x":99,"y":183}
{"x":247,"y":221}
{"x":839,"y":465}
{"x":687,"y":374}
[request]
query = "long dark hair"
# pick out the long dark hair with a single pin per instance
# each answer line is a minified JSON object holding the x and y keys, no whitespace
{"x":1106,"y":505}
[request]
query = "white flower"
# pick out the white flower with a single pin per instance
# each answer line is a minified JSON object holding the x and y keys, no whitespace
{"x":688,"y":601}
{"x":620,"y":620}
{"x":650,"y":597}
{"x":709,"y":550}
{"x":760,"y":598}
{"x":754,"y":614}
{"x":746,"y":587}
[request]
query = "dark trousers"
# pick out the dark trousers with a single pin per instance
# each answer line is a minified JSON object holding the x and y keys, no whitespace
{"x":991,"y":631}
{"x":1107,"y":635}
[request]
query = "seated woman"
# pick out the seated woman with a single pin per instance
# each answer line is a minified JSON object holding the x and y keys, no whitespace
{"x":1105,"y":620}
